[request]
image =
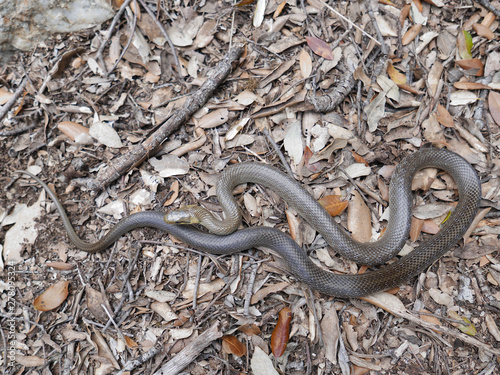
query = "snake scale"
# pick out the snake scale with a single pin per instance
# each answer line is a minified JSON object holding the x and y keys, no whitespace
{"x":299,"y":263}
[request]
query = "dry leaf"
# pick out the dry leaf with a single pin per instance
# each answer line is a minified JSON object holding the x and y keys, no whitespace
{"x":320,"y":47}
{"x":359,"y":158}
{"x":425,"y":315}
{"x":60,"y":265}
{"x":494,"y":105}
{"x":244,"y":2}
{"x":264,"y":292}
{"x":280,"y":335}
{"x":483,"y":31}
{"x":416,"y":228}
{"x":52,"y":297}
{"x":359,"y":219}
{"x":333,"y":204}
{"x":305,"y":64}
{"x":473,"y":66}
{"x":250,"y":329}
{"x":131,"y":343}
{"x":488,"y":19}
{"x":404,"y":13}
{"x":279,"y":9}
{"x":232,"y":345}
{"x":411,"y":34}
{"x":5,"y":96}
{"x":466,"y":327}
{"x":95,"y":301}
{"x":72,"y":130}
{"x":471,"y":86}
{"x":444,"y":117}
{"x":174,"y":191}
{"x":397,"y":77}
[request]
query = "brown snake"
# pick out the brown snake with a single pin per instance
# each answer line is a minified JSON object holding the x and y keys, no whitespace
{"x":400,"y":199}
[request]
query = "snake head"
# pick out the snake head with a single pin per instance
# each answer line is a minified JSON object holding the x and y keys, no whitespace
{"x":183,"y":215}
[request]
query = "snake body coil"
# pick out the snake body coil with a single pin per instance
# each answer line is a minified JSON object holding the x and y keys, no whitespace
{"x":400,"y":199}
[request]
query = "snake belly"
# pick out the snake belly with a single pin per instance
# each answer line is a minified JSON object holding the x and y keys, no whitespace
{"x":299,"y":263}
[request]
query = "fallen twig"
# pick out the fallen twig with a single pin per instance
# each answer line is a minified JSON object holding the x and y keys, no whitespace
{"x":187,"y":355}
{"x":140,"y":152}
{"x":7,"y":106}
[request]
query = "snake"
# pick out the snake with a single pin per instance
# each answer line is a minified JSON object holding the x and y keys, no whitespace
{"x":296,"y":259}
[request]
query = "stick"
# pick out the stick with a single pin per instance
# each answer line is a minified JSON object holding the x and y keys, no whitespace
{"x":187,"y":355}
{"x":140,"y":152}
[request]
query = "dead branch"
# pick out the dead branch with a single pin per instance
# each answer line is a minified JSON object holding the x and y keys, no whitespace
{"x":140,"y":152}
{"x":187,"y":355}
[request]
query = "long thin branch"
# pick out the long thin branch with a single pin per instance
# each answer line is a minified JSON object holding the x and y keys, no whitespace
{"x":140,"y":152}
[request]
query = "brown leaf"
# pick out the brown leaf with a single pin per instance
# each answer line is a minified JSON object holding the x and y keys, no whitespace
{"x":488,"y":19}
{"x":426,"y":316}
{"x":359,"y":158}
{"x":264,"y":292}
{"x":494,"y":105}
{"x":305,"y":64}
{"x":333,"y":204}
{"x":320,"y":47}
{"x":95,"y":300}
{"x":244,"y":2}
{"x":279,"y":9}
{"x":404,"y":13}
{"x":411,"y":34}
{"x":250,"y":329}
{"x":60,"y":265}
{"x":416,"y":228}
{"x":444,"y":117}
{"x":471,"y":86}
{"x":52,"y":297}
{"x":430,"y":227}
{"x":131,"y":343}
{"x":419,"y":5}
{"x":5,"y":96}
{"x":71,"y":129}
{"x":474,"y":65}
{"x":397,"y":77}
{"x":280,"y":335}
{"x":386,"y":2}
{"x":359,"y":219}
{"x":483,"y":31}
{"x":174,"y":191}
{"x":232,"y":345}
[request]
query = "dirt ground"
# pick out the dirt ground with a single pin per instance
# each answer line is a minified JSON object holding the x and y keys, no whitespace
{"x":150,"y":303}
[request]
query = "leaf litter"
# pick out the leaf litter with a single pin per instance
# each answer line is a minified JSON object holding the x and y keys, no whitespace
{"x":438,"y":82}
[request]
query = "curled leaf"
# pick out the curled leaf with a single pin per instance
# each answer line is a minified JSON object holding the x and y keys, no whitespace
{"x":52,"y":297}
{"x":280,"y":335}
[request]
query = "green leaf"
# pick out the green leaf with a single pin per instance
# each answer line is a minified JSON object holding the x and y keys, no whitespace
{"x":464,"y":44}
